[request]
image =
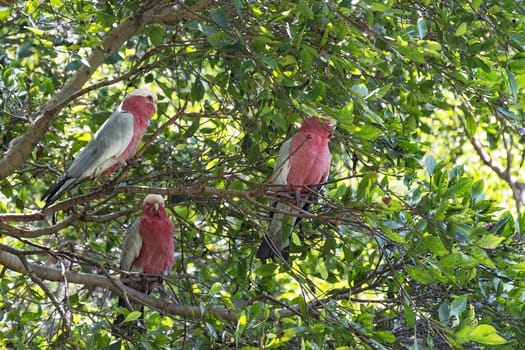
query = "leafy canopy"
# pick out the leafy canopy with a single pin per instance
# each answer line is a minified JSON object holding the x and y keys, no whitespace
{"x":413,"y":244}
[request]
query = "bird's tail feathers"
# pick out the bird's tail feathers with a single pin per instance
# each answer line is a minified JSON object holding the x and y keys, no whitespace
{"x":264,"y":252}
{"x":58,"y":189}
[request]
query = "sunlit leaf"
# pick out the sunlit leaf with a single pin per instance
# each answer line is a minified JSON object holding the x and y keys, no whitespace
{"x":462,"y":29}
{"x":471,"y":124}
{"x":486,"y":334}
{"x":132,"y":316}
{"x":215,"y":288}
{"x":430,"y":163}
{"x":489,"y":241}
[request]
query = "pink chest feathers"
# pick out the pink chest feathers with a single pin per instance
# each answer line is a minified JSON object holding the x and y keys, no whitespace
{"x":156,"y":254}
{"x":309,"y":159}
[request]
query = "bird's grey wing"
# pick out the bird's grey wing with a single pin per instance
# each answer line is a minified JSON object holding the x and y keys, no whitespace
{"x":132,"y":246}
{"x":110,"y":141}
{"x":282,"y":165}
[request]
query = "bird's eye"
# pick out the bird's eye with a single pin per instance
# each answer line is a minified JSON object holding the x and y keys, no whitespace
{"x":150,"y":98}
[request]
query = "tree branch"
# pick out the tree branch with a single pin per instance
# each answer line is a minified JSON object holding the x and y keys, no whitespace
{"x":517,"y":187}
{"x":13,"y":262}
{"x":9,"y":257}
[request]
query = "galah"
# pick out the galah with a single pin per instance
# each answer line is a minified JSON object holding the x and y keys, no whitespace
{"x":303,"y":164}
{"x":148,"y":247}
{"x":112,"y":145}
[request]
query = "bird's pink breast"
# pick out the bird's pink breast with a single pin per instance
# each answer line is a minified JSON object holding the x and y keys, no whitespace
{"x":309,"y":160}
{"x":156,"y":255}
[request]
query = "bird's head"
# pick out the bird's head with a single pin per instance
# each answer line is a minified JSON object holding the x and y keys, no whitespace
{"x":319,"y":126}
{"x":147,"y":95}
{"x":154,"y":201}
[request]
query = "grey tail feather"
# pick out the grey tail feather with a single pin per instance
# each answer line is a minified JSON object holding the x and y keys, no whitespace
{"x":58,"y":189}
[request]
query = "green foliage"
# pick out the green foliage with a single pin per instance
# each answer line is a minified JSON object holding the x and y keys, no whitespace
{"x":413,"y":243}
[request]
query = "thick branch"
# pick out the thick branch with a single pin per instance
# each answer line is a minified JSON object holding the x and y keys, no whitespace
{"x":13,"y":262}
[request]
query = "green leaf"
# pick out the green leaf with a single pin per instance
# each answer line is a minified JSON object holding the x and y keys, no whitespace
{"x":197,"y":91}
{"x":430,"y":163}
{"x":215,"y":288}
{"x":132,"y":316}
{"x":410,"y":315}
{"x":239,"y":7}
{"x":219,"y":17}
{"x":411,"y":53}
{"x":420,"y":275}
{"x":386,"y":336}
{"x":430,"y":48}
{"x":462,"y":29}
{"x":280,"y":121}
{"x":321,"y":268}
{"x":295,"y":238}
{"x":457,"y":306}
{"x":471,"y":124}
{"x":5,"y":12}
{"x":394,"y":236}
{"x":307,"y":55}
{"x":205,"y":29}
{"x":115,"y":346}
{"x":459,"y":189}
{"x":218,"y":40}
{"x":367,"y":183}
{"x":318,"y":92}
{"x":458,"y":260}
{"x":381,"y":92}
{"x":156,"y":35}
{"x":369,"y":132}
{"x":486,"y":334}
{"x":481,"y":255}
{"x":435,"y":245}
{"x":266,"y":270}
{"x":241,"y":324}
{"x":513,"y":85}
{"x":421,"y":27}
{"x":36,"y":31}
{"x":489,"y":241}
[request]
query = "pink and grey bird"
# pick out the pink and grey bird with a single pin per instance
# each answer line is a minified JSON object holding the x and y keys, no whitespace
{"x":303,"y":164}
{"x":148,"y":247}
{"x":112,"y":145}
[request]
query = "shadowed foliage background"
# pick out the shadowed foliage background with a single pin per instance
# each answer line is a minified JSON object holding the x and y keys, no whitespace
{"x":416,"y":242}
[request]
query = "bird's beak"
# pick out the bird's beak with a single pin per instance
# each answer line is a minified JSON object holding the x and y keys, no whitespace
{"x":156,"y":206}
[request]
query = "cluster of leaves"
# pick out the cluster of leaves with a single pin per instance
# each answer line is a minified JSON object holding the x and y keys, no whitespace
{"x":402,"y":251}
